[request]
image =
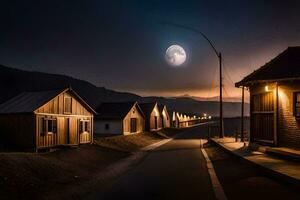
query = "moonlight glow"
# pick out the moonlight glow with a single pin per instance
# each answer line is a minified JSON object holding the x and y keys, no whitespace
{"x":175,"y":55}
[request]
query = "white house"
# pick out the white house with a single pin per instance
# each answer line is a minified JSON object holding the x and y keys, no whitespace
{"x":120,"y":118}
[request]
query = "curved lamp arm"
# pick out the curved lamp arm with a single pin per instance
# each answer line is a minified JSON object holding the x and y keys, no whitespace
{"x":196,"y":31}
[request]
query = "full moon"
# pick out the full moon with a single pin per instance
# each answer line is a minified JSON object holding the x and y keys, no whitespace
{"x":175,"y":55}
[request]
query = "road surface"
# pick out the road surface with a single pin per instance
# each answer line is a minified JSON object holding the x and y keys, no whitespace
{"x":178,"y":170}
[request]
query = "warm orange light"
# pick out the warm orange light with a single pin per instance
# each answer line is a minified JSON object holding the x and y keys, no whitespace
{"x":267,"y":88}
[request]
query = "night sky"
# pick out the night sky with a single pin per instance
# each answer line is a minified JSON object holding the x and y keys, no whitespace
{"x":120,"y":44}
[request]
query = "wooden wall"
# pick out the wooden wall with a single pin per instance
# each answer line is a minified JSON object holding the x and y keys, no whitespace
{"x":67,"y":123}
{"x":165,"y":118}
{"x":263,"y":113}
{"x":155,"y":113}
{"x":17,"y":131}
{"x":133,"y":113}
{"x":63,"y":135}
{"x":56,"y":106}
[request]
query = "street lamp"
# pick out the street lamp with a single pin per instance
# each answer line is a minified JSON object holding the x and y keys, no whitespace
{"x":219,"y":55}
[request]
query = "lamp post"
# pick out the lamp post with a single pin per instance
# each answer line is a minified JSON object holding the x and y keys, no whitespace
{"x":219,"y":55}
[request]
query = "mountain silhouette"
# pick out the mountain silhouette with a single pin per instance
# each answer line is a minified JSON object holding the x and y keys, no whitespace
{"x":14,"y":81}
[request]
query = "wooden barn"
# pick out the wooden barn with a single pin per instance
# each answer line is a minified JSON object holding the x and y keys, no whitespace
{"x":152,"y":116}
{"x":165,"y":118}
{"x":120,"y":118}
{"x":275,"y":100}
{"x":43,"y":119}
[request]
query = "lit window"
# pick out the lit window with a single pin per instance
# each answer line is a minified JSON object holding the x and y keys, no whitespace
{"x":49,"y":126}
{"x":84,"y":126}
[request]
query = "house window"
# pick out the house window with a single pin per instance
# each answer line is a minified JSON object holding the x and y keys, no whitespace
{"x":49,"y":126}
{"x":106,"y":126}
{"x":68,"y":105}
{"x":297,"y":104}
{"x":84,"y":126}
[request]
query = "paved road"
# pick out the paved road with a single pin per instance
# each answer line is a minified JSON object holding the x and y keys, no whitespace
{"x":177,"y":170}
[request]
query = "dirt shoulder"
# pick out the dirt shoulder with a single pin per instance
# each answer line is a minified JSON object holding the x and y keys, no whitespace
{"x":129,"y":143}
{"x":35,"y":175}
{"x":30,"y":175}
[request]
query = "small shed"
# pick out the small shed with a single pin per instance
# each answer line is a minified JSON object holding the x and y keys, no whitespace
{"x":43,"y":119}
{"x":275,"y":100}
{"x":120,"y":118}
{"x":152,"y":116}
{"x":165,"y":118}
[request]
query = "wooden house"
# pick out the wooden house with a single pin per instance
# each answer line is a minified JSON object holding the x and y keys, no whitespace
{"x":120,"y":118}
{"x":175,"y":119}
{"x":43,"y":119}
{"x":165,"y":118}
{"x":152,"y":116}
{"x":275,"y":100}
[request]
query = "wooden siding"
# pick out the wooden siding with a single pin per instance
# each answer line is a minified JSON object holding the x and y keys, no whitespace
{"x":262,"y":116}
{"x":155,"y":115}
{"x":17,"y":131}
{"x":165,"y":118}
{"x":56,"y":106}
{"x":140,"y":123}
{"x":67,"y":123}
{"x":67,"y":131}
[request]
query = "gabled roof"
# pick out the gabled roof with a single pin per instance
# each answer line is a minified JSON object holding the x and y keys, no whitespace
{"x":116,"y":110}
{"x":28,"y":102}
{"x":286,"y":66}
{"x":161,"y":108}
{"x":147,"y":108}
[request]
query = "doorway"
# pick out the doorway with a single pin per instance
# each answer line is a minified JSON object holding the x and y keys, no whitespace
{"x":262,"y":117}
{"x":133,"y":125}
{"x":155,"y":122}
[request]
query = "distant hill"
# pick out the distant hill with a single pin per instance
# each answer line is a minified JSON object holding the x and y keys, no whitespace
{"x":13,"y":81}
{"x":215,"y":98}
{"x":192,"y":106}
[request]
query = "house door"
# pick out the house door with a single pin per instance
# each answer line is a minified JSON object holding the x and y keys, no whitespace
{"x":155,"y":122}
{"x":262,"y":117}
{"x":133,"y":125}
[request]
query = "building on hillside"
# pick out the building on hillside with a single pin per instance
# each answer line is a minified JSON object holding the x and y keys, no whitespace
{"x":43,"y":119}
{"x":165,"y":118}
{"x":121,"y":118}
{"x":275,"y":100}
{"x":152,"y":116}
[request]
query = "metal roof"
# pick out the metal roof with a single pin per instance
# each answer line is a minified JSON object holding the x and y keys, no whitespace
{"x":28,"y":102}
{"x":115,"y":110}
{"x":147,"y":108}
